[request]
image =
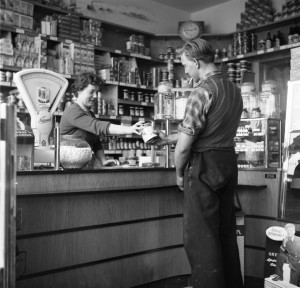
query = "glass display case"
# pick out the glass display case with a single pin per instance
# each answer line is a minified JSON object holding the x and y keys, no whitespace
{"x":258,"y":143}
{"x":290,"y":188}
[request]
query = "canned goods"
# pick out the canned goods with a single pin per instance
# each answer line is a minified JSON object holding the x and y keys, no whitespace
{"x":131,"y":111}
{"x":132,"y":96}
{"x":121,"y":110}
{"x":137,"y":111}
{"x":152,"y":98}
{"x":125,"y":94}
{"x":11,"y":99}
{"x":140,"y":96}
{"x":146,"y":98}
{"x":142,"y":114}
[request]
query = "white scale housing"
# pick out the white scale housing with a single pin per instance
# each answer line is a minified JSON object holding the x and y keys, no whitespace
{"x":41,"y":91}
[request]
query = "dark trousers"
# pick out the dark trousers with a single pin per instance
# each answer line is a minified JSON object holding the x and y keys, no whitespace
{"x":280,"y":260}
{"x":209,"y":219}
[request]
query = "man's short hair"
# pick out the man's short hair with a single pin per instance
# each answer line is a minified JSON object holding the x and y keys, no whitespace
{"x":198,"y":49}
{"x":289,"y":225}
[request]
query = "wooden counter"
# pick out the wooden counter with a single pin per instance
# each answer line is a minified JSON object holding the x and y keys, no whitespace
{"x":102,"y":228}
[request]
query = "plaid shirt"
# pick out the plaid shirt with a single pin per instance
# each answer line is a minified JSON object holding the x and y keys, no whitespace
{"x":197,"y":107}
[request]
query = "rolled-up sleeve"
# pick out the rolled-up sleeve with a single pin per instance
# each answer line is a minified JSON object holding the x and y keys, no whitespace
{"x":197,"y":106}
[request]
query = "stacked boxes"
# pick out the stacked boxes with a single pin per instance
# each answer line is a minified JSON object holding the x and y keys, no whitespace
{"x":6,"y":51}
{"x":49,"y":26}
{"x":26,"y":52}
{"x":69,"y":27}
{"x":83,"y":56}
{"x":16,"y":13}
{"x":91,"y":32}
{"x":295,"y":64}
{"x":257,"y":12}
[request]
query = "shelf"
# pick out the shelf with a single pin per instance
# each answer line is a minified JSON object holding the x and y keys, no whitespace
{"x":254,"y":187}
{"x":7,"y":84}
{"x":271,"y":25}
{"x":259,"y":53}
{"x":14,"y":29}
{"x":116,"y":83}
{"x":182,"y":89}
{"x":10,"y":68}
{"x":112,"y":117}
{"x":136,"y":103}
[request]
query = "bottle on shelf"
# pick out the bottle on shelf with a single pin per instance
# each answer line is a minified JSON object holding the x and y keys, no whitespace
{"x":291,"y":35}
{"x":268,"y":41}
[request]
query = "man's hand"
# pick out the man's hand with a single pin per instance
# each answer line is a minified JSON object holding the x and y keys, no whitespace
{"x":285,"y":239}
{"x":161,"y":140}
{"x":179,"y":180}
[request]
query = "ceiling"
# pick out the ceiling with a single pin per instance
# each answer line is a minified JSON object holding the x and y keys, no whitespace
{"x":191,"y":5}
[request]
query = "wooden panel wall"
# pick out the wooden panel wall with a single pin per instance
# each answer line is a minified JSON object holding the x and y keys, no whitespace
{"x":101,"y":239}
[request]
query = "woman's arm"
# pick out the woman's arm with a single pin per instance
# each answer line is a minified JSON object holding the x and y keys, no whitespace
{"x":123,"y":130}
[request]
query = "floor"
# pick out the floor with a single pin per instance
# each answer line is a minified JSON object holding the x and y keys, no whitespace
{"x":184,"y":282}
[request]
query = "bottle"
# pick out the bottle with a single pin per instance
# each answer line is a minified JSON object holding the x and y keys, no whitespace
{"x":290,"y":36}
{"x":296,"y":34}
{"x":268,"y":41}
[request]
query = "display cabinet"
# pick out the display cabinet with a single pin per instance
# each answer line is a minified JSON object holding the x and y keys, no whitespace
{"x":258,"y":143}
{"x":290,"y":188}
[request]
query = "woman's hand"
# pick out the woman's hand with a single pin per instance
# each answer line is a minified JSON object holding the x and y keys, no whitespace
{"x":111,"y":162}
{"x":137,"y":128}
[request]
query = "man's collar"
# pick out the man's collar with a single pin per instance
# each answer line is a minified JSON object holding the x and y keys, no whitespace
{"x":206,"y":76}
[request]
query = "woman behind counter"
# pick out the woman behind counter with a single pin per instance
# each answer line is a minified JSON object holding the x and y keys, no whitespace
{"x":78,"y":120}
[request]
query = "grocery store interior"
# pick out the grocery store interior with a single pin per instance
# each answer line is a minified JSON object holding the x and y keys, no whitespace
{"x":67,"y":222}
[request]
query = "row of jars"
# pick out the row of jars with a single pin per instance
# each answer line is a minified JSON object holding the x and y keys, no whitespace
{"x":263,"y":104}
{"x":137,"y":96}
{"x":132,"y":111}
{"x":114,"y":143}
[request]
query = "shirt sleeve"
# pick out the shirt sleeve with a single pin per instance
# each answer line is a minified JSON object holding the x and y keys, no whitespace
{"x":196,"y":110}
{"x":82,"y":120}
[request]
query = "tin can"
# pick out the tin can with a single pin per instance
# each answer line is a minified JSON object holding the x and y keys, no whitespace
{"x":121,"y":110}
{"x":132,"y":96}
{"x":142,"y":114}
{"x":131,"y":111}
{"x":125,"y":94}
{"x":146,"y":98}
{"x":140,"y":97}
{"x":137,"y":111}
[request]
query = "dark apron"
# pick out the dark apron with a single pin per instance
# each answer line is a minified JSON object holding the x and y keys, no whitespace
{"x":209,"y":219}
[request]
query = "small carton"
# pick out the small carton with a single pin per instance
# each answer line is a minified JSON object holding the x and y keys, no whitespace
{"x":29,"y":9}
{"x":17,"y":19}
{"x":23,"y":7}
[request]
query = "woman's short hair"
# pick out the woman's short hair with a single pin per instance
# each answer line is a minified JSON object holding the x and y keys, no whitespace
{"x":198,"y":49}
{"x":86,"y":78}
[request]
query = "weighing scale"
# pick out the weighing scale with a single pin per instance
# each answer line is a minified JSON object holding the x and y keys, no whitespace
{"x":41,"y":91}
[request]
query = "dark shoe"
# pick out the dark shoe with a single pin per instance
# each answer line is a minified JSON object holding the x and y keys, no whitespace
{"x":277,"y":278}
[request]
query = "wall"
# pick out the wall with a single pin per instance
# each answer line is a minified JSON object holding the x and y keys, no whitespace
{"x":144,"y":15}
{"x":218,"y":21}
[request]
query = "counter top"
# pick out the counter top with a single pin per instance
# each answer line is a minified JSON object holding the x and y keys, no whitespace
{"x":99,"y":170}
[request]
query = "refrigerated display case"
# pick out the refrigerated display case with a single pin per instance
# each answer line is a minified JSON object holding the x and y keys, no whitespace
{"x":258,"y":143}
{"x":290,"y":188}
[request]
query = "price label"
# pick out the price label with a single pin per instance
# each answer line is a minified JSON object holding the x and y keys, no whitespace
{"x":113,"y":117}
{"x":143,"y":86}
{"x":283,"y":47}
{"x":240,"y":56}
{"x":131,"y":85}
{"x":142,"y":119}
{"x":225,"y":59}
{"x":118,"y":51}
{"x":53,"y":38}
{"x":68,"y":41}
{"x":21,"y":31}
{"x":144,"y":104}
{"x":260,"y":52}
{"x":67,"y":75}
{"x":270,"y":50}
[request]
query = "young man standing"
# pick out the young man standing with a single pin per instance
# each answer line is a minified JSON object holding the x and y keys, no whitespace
{"x":206,"y":169}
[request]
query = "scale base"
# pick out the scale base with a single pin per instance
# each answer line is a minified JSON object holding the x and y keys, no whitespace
{"x":43,"y":155}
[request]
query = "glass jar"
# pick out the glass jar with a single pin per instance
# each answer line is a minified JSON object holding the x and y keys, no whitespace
{"x":142,"y":114}
{"x":121,"y":110}
{"x":180,"y":103}
{"x":75,"y":152}
{"x":125,"y":94}
{"x":132,"y":96}
{"x":164,"y":102}
{"x":137,"y":111}
{"x":269,"y":100}
{"x":249,"y":96}
{"x":140,"y":97}
{"x":132,"y":111}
